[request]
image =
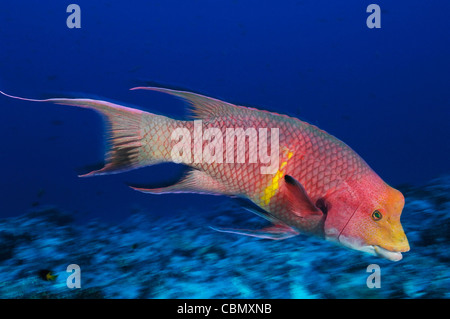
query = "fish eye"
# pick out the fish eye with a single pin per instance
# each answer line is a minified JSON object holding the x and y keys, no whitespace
{"x":376,"y":215}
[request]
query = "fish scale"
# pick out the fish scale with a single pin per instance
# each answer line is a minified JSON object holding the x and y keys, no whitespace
{"x":309,"y":165}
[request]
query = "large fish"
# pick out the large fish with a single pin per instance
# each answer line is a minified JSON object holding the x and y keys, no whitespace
{"x":311,"y":183}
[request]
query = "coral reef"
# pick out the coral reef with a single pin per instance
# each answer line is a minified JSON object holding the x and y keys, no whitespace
{"x":181,"y":257}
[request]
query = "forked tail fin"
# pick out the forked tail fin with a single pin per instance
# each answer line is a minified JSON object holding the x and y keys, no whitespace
{"x":134,"y":138}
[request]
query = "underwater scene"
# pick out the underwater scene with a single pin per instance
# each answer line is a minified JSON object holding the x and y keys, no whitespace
{"x":198,"y":149}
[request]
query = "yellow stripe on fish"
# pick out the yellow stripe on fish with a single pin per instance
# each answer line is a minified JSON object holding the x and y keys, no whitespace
{"x":273,"y":186}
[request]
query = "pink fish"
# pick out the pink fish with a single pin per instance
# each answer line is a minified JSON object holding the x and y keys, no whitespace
{"x":310,"y":183}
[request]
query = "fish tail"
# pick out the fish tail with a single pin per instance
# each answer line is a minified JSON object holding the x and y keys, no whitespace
{"x":134,"y":138}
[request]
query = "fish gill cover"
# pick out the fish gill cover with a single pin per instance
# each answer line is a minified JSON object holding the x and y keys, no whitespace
{"x":383,"y":91}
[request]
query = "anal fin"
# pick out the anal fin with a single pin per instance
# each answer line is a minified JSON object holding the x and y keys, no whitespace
{"x":275,"y":232}
{"x":195,"y":181}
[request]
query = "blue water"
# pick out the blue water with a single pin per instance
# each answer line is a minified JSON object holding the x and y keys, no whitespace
{"x":383,"y":91}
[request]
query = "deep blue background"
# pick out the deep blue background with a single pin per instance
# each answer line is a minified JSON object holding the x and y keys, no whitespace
{"x":385,"y":92}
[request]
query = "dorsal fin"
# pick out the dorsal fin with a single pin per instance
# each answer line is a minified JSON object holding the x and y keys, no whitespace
{"x":203,"y":107}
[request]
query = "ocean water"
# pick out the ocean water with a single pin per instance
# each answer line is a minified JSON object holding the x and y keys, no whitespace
{"x":383,"y":91}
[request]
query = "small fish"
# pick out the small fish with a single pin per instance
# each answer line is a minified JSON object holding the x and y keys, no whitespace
{"x":47,"y":275}
{"x":318,"y":185}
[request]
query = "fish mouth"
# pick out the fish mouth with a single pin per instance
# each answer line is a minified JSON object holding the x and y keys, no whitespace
{"x":382,"y":252}
{"x":373,"y":250}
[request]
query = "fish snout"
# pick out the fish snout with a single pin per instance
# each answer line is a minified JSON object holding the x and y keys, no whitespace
{"x":399,"y":241}
{"x":392,"y":246}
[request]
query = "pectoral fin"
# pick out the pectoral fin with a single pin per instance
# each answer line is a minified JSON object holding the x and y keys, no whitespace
{"x":298,"y":200}
{"x":275,"y":232}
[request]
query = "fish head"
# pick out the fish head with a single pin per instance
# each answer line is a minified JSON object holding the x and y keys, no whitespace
{"x":366,"y":216}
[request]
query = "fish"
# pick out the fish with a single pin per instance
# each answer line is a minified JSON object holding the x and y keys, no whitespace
{"x":311,"y":183}
{"x":47,"y":275}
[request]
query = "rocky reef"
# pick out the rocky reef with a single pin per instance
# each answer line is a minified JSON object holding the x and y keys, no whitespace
{"x":181,"y":257}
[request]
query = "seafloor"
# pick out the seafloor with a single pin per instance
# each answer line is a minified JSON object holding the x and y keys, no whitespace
{"x":181,"y":257}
